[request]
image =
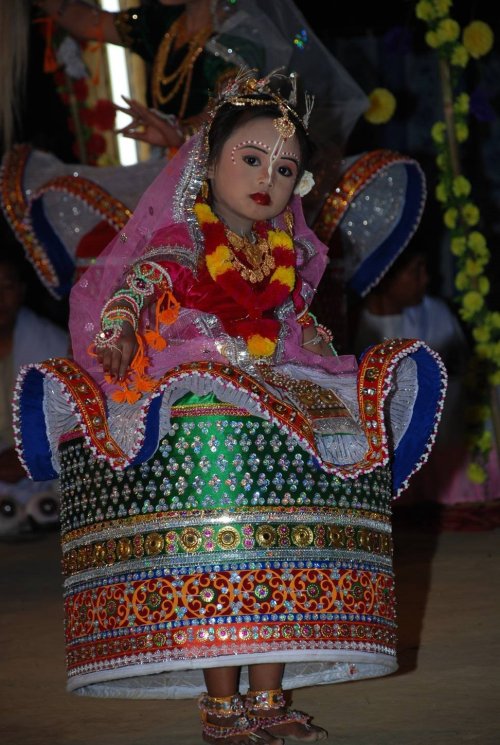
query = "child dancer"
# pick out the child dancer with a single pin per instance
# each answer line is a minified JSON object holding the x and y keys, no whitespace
{"x":226,"y":478}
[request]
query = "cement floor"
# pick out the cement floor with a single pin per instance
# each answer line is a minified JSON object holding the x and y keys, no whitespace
{"x":446,"y":692}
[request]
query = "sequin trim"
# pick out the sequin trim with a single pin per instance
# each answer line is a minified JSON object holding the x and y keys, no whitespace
{"x":351,"y":183}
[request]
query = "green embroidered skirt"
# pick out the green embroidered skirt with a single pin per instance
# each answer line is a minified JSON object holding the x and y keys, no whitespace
{"x":230,"y":546}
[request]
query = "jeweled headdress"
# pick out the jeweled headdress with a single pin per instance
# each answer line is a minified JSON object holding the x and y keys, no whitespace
{"x":245,"y":89}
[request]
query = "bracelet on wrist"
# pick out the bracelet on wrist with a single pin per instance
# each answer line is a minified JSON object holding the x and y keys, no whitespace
{"x":325,"y":334}
{"x":315,"y":340}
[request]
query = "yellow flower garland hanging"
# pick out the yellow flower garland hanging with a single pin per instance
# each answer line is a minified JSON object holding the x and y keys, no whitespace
{"x":460,"y":215}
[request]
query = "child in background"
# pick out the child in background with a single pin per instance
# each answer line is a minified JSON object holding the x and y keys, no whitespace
{"x":400,"y":307}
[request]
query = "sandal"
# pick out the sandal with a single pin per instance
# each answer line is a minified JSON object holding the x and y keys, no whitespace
{"x":227,"y":707}
{"x":269,"y":709}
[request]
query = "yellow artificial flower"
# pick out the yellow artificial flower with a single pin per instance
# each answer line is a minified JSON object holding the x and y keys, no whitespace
{"x":484,"y":442}
{"x":462,"y":104}
{"x":459,"y":56}
{"x":494,"y":319}
{"x":219,"y":261}
{"x":432,"y":39}
{"x":472,"y":302}
{"x":461,"y":186}
{"x":478,"y":39}
{"x":476,"y":241}
{"x":438,"y":132}
{"x":473,"y":268}
{"x":450,"y":218}
{"x":483,"y":351}
{"x":285,"y":275}
{"x":470,"y":213}
{"x":461,"y":131}
{"x":494,"y":378}
{"x":441,"y":192}
{"x":476,"y":473}
{"x":260,"y":346}
{"x":204,"y":213}
{"x":425,"y":10}
{"x":280,"y":238}
{"x":483,"y":285}
{"x":482,"y":254}
{"x":462,"y":281}
{"x":481,"y":334}
{"x":448,"y":30}
{"x":442,"y":161}
{"x":442,"y":7}
{"x":382,"y":106}
{"x":458,"y":245}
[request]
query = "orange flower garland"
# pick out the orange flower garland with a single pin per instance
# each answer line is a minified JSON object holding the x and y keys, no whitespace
{"x":259,"y":332}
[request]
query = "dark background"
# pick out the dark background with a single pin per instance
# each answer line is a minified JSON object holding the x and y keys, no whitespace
{"x":344,"y":29}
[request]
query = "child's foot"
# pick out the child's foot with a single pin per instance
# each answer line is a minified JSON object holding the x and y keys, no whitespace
{"x":236,"y":731}
{"x":224,"y":722}
{"x":297,"y":729}
{"x":268,"y":709}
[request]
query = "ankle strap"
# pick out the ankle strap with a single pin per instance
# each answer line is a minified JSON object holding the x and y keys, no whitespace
{"x":223,"y":706}
{"x":265,"y":700}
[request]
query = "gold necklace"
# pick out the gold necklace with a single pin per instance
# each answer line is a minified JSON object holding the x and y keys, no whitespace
{"x":257,"y":254}
{"x":182,"y":76}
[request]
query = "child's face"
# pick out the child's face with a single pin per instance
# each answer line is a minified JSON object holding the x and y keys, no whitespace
{"x":255,"y":174}
{"x":408,"y":286}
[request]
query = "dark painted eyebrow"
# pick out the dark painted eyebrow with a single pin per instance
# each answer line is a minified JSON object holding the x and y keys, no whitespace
{"x":266,"y":152}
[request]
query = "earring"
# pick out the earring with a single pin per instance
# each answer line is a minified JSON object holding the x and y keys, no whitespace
{"x":204,"y":191}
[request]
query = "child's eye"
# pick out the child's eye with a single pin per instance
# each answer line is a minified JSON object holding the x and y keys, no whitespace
{"x":251,"y":160}
{"x":285,"y":171}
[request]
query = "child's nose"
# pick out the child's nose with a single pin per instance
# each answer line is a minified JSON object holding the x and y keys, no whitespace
{"x":266,"y":176}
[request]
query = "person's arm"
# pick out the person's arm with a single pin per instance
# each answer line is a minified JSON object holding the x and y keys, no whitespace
{"x":81,"y":20}
{"x":148,"y":126}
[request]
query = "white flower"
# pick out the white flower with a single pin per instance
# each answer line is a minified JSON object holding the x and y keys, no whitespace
{"x":305,"y":184}
{"x":69,"y":55}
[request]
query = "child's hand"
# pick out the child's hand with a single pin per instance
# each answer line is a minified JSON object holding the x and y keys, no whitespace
{"x":116,"y":358}
{"x":313,"y":342}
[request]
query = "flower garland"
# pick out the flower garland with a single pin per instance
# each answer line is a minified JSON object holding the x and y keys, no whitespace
{"x":260,"y":333}
{"x":461,"y":215}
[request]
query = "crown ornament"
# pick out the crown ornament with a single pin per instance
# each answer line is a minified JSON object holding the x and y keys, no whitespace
{"x":245,"y":89}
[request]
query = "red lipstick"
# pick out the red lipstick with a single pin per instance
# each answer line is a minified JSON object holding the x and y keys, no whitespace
{"x":261,"y":198}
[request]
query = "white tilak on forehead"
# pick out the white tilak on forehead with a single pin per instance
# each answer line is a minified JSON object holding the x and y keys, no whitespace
{"x":275,"y":154}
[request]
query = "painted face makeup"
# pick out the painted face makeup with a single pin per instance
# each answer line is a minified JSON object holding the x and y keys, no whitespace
{"x":255,"y":175}
{"x":275,"y":152}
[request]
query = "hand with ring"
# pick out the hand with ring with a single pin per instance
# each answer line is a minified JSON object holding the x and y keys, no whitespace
{"x":148,"y":126}
{"x":116,"y":357}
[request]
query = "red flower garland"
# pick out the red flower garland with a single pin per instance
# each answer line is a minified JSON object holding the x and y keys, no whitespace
{"x":260,"y":333}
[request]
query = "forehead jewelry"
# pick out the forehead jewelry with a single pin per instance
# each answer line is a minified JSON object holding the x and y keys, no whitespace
{"x":286,"y":129}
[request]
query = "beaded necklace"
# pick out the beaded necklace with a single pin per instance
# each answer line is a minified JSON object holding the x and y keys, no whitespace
{"x":181,"y":77}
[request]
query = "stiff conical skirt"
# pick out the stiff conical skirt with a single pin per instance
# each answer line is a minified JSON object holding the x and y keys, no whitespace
{"x":229,"y":546}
